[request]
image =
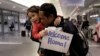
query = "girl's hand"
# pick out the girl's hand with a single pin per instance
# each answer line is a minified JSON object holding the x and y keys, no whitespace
{"x":43,"y":32}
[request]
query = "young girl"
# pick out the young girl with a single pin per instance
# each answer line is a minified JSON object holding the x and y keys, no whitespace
{"x":36,"y":25}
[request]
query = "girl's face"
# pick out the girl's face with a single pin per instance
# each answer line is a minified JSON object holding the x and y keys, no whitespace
{"x":35,"y":17}
{"x":30,"y":14}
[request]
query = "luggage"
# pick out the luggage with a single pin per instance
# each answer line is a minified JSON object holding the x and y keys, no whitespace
{"x":23,"y":33}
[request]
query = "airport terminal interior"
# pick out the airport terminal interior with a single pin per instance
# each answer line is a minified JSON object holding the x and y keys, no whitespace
{"x":12,"y":43}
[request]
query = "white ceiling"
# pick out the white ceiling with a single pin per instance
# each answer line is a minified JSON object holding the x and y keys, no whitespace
{"x":7,"y":4}
{"x":86,"y":8}
{"x":29,"y":3}
{"x":62,"y":9}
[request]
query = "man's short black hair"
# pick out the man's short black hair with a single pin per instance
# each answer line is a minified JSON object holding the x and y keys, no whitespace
{"x":48,"y":9}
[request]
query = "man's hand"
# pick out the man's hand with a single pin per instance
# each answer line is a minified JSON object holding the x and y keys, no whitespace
{"x":57,"y":21}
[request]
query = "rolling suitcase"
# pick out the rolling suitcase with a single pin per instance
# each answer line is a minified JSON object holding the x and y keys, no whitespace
{"x":23,"y":33}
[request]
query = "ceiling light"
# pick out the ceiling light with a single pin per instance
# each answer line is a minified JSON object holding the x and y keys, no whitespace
{"x":96,"y":15}
{"x":14,"y":6}
{"x":23,"y":9}
{"x":97,"y":4}
{"x":0,"y":2}
{"x":84,"y":14}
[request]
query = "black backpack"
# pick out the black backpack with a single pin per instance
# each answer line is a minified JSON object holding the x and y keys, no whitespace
{"x":79,"y":45}
{"x":85,"y":42}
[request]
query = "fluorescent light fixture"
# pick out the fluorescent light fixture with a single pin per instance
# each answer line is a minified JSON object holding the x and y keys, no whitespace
{"x":96,"y":15}
{"x":0,"y":2}
{"x":97,"y":4}
{"x":84,"y":14}
{"x":23,"y":9}
{"x":14,"y":6}
{"x":29,"y":3}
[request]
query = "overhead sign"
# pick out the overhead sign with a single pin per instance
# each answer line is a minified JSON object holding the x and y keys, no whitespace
{"x":57,"y":41}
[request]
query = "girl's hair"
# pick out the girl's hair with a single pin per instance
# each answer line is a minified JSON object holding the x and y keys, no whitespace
{"x":33,"y":9}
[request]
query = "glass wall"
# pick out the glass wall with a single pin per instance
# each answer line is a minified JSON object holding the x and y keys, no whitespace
{"x":16,"y":22}
{"x":5,"y":17}
{"x":8,"y":17}
{"x":0,"y":23}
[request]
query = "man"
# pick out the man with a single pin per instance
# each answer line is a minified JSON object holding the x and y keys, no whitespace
{"x":48,"y":14}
